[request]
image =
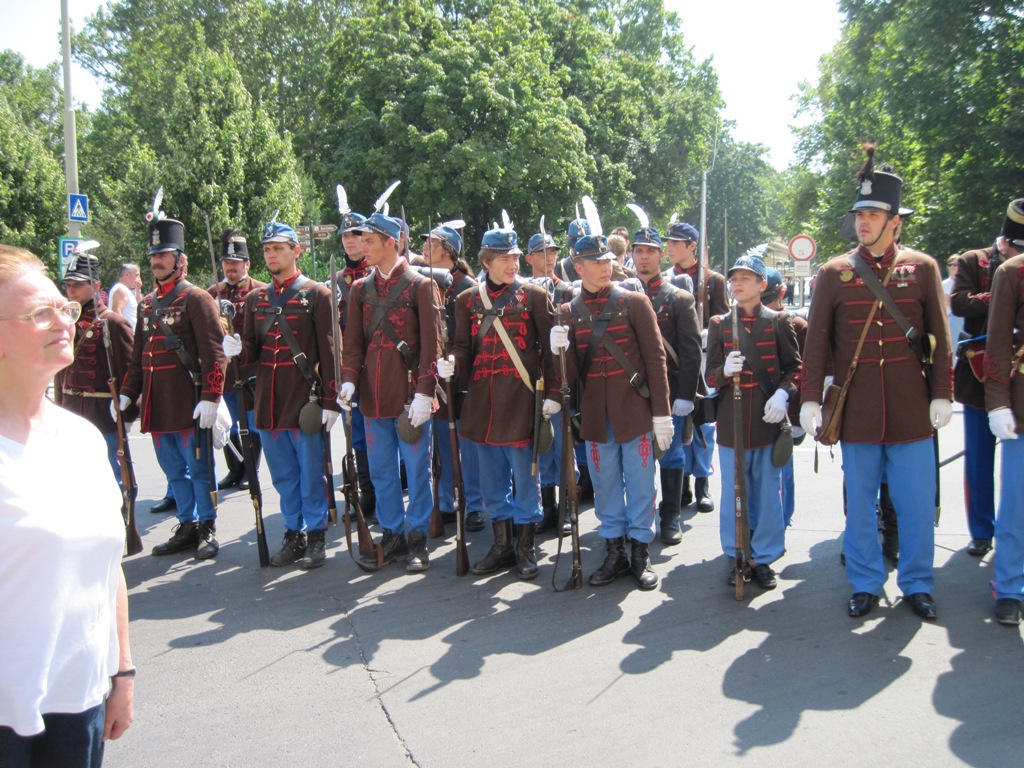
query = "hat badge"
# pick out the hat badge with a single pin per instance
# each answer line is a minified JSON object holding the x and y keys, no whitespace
{"x":865,"y":187}
{"x":231,"y":248}
{"x":155,"y":237}
{"x":510,"y":236}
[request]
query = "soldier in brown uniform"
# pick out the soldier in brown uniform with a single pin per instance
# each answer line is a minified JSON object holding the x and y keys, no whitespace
{"x":615,"y":352}
{"x":289,"y":335}
{"x":236,"y":285}
{"x":82,"y":387}
{"x":178,"y":369}
{"x":969,"y":299}
{"x":680,"y":335}
{"x":392,"y":341}
{"x":682,"y":243}
{"x":766,"y":360}
{"x":1004,"y":397}
{"x":894,"y":402}
{"x":502,"y":327}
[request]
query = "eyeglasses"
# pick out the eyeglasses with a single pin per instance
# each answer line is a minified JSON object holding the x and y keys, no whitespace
{"x":45,"y":317}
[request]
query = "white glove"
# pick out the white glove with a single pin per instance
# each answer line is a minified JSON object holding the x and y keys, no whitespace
{"x":206,"y":412}
{"x":232,"y":346}
{"x":123,"y":401}
{"x":446,"y":367}
{"x":328,"y":418}
{"x":704,"y":339}
{"x":559,"y":338}
{"x":348,"y":391}
{"x":940,"y":411}
{"x":419,"y":409}
{"x":775,"y":408}
{"x":663,"y":430}
{"x":733,"y":364}
{"x":222,"y":425}
{"x":550,"y":407}
{"x":1002,"y":423}
{"x":682,"y":408}
{"x":810,"y":417}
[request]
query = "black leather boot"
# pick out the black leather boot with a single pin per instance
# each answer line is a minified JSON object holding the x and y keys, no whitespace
{"x":293,"y":548}
{"x":418,"y":558}
{"x":550,"y":508}
{"x":526,"y":556}
{"x":501,"y":554}
{"x":207,"y":545}
{"x":185,"y":536}
{"x":367,"y":495}
{"x":316,"y":550}
{"x":393,"y":546}
{"x":640,"y":565}
{"x":701,"y":491}
{"x":585,"y":486}
{"x":687,"y":497}
{"x":671,"y":487}
{"x":615,"y":563}
{"x":888,"y":526}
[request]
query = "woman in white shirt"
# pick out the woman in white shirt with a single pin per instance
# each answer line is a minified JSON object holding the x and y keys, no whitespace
{"x":66,"y":674}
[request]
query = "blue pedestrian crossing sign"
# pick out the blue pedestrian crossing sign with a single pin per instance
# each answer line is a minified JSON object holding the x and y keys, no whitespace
{"x":78,"y":208}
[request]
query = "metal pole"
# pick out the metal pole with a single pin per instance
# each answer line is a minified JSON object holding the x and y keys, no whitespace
{"x":702,"y":249}
{"x":70,"y":136}
{"x":725,"y":243}
{"x":312,"y":248}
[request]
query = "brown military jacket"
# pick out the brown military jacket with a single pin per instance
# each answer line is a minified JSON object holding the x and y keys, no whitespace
{"x":281,"y":387}
{"x":225,"y":291}
{"x":499,"y":407}
{"x":970,"y":299}
{"x":889,"y":396}
{"x":677,"y":321}
{"x":373,"y":362}
{"x":771,"y":334}
{"x":83,"y":386}
{"x":1004,"y":388}
{"x":607,"y":395}
{"x":716,"y":297}
{"x":157,"y":373}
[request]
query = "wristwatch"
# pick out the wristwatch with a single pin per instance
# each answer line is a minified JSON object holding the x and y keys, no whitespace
{"x":130,"y":672}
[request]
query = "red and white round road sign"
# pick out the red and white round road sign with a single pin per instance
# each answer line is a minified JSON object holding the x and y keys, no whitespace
{"x":802,"y":248}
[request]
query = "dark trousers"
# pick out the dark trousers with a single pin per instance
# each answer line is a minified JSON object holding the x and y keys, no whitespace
{"x":67,"y":741}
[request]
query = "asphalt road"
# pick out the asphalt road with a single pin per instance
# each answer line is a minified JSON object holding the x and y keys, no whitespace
{"x":240,"y":666}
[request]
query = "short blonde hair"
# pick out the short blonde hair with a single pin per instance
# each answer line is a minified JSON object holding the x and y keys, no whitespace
{"x":16,"y":261}
{"x":951,"y":261}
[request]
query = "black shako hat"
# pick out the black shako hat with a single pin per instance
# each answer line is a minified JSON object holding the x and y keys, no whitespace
{"x":877,"y":190}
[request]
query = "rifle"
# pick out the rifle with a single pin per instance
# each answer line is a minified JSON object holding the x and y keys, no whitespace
{"x":740,"y":471}
{"x":251,"y":473}
{"x":458,"y":489}
{"x":129,"y":485}
{"x":568,"y":501}
{"x":350,"y":475}
{"x":209,"y":242}
{"x":538,"y":407}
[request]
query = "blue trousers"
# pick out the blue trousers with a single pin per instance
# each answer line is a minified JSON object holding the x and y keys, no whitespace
{"x":68,"y":741}
{"x":296,"y":462}
{"x":231,"y":401}
{"x":470,"y":470}
{"x":624,"y":492}
{"x":383,"y":449}
{"x":499,"y":466}
{"x":788,"y":493}
{"x":979,"y":473}
{"x":549,"y":464}
{"x":675,"y":456}
{"x":358,"y":427}
{"x":764,"y":505}
{"x":699,"y":458}
{"x":914,"y":499}
{"x":1009,"y":557}
{"x":189,"y":478}
{"x":110,"y":438}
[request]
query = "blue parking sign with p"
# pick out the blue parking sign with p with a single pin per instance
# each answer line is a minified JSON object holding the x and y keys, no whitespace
{"x":67,"y":245}
{"x":78,"y":208}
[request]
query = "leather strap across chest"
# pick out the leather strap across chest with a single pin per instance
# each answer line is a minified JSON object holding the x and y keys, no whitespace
{"x":161,"y":310}
{"x":615,"y":307}
{"x":274,"y":312}
{"x":493,"y":313}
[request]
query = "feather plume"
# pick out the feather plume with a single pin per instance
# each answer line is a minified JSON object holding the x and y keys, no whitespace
{"x":641,"y":214}
{"x":867,"y":171}
{"x":225,"y":237}
{"x":506,"y":222}
{"x":590,"y":211}
{"x":543,"y":232}
{"x":342,"y":201}
{"x":86,"y":246}
{"x":454,"y":224}
{"x":674,"y":219}
{"x":156,"y":214}
{"x":378,"y":205}
{"x":577,"y":210}
{"x":387,"y":209}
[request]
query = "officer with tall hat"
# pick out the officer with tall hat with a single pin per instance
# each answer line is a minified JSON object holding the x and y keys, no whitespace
{"x":680,"y":336}
{"x":392,"y":343}
{"x":900,"y":393}
{"x":442,"y":250}
{"x":289,"y":337}
{"x":970,"y":298}
{"x":82,"y":387}
{"x":502,"y":356}
{"x":236,"y":285}
{"x":681,"y":243}
{"x":1004,"y":399}
{"x":178,"y":371}
{"x":615,"y":355}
